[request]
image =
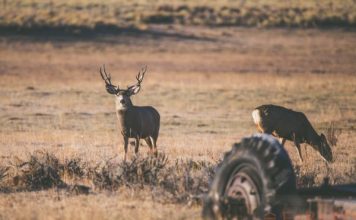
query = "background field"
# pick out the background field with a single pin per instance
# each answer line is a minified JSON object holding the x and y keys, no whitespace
{"x":116,"y":14}
{"x":204,"y":80}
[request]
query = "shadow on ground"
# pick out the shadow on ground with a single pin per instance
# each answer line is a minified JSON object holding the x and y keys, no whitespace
{"x":99,"y":33}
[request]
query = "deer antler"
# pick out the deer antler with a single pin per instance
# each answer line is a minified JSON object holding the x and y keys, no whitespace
{"x":110,"y":88}
{"x":141,"y":74}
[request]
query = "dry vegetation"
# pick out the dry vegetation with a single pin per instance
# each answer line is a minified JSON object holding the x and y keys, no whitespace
{"x":89,"y":14}
{"x":61,"y":154}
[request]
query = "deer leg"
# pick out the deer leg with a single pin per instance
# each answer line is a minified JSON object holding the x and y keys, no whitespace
{"x":299,"y":151}
{"x":126,"y":143}
{"x":149,"y":143}
{"x":137,"y":144}
{"x":297,"y":145}
{"x":154,"y":141}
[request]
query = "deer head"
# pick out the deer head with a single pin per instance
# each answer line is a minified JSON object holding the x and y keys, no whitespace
{"x":123,"y":100}
{"x":325,"y":149}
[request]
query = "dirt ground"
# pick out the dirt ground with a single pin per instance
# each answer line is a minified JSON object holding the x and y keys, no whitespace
{"x":204,"y":82}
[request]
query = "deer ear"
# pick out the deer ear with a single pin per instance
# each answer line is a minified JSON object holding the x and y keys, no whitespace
{"x":134,"y":90}
{"x":111,"y":89}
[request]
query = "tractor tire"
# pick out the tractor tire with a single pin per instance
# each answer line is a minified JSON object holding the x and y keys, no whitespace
{"x":254,"y":179}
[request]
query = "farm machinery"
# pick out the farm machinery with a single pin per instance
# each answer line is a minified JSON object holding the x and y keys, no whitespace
{"x":256,"y":180}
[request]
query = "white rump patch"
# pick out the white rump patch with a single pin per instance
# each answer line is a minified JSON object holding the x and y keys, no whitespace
{"x":256,"y":116}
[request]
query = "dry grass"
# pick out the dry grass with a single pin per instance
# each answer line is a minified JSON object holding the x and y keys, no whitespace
{"x":178,"y":181}
{"x":204,"y":85}
{"x":91,"y":14}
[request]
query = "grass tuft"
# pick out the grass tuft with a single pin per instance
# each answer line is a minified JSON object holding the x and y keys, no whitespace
{"x":181,"y":180}
{"x":42,"y":170}
{"x":333,"y":134}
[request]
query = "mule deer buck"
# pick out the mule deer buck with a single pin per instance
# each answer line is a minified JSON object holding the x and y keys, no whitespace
{"x":287,"y":124}
{"x":138,"y":122}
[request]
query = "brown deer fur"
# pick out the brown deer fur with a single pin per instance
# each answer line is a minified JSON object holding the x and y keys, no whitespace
{"x":290,"y":125}
{"x":138,"y":122}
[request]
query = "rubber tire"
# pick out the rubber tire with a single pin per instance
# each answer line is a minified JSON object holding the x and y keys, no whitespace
{"x":268,"y":165}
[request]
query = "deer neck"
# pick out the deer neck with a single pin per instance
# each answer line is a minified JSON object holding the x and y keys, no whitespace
{"x":121,"y":114}
{"x":122,"y":103}
{"x":314,"y":139}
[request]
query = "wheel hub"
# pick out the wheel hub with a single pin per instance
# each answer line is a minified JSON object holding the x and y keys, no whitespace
{"x":242,"y":187}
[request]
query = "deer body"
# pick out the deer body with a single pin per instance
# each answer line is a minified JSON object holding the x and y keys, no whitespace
{"x":287,"y":124}
{"x":138,"y":122}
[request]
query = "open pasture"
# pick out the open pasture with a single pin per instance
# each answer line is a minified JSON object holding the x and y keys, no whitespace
{"x":204,"y":81}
